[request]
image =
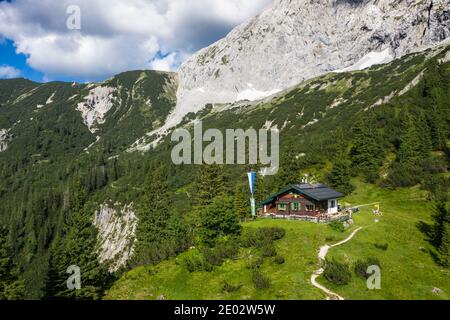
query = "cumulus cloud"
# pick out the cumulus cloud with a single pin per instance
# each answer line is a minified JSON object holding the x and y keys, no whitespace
{"x":164,"y":64}
{"x":118,"y":35}
{"x":8,"y":72}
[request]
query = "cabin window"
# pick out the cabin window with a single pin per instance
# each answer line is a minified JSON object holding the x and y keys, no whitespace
{"x":282,"y":207}
{"x":333,"y":204}
{"x":295,"y":206}
{"x":309,"y":207}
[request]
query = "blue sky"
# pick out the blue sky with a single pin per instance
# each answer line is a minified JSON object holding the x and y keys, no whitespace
{"x":9,"y":57}
{"x":114,"y":35}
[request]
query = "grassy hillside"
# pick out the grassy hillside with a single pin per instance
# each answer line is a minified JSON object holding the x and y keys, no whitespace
{"x":408,"y":269}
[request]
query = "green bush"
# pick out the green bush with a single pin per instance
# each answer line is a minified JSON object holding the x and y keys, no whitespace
{"x":360,"y":267}
{"x":382,"y":246}
{"x":268,"y":251}
{"x":227,"y":287}
{"x":260,"y":281}
{"x":206,"y":266}
{"x":261,"y":237}
{"x":278,"y":260}
{"x":273,"y":233}
{"x":337,"y":226}
{"x":255,"y":263}
{"x":193,"y":263}
{"x":211,"y":257}
{"x":224,"y":250}
{"x":337,"y":273}
{"x":249,"y":238}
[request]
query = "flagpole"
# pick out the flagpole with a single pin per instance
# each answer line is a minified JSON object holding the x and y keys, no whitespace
{"x":251,"y":181}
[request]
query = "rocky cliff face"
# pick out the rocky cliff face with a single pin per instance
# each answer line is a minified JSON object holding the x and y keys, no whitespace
{"x":294,"y":40}
{"x":116,"y":234}
{"x":5,"y":137}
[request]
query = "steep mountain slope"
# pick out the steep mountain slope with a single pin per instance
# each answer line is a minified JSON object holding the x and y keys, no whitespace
{"x":54,"y":134}
{"x":132,"y":102}
{"x":70,"y":188}
{"x":297,"y":40}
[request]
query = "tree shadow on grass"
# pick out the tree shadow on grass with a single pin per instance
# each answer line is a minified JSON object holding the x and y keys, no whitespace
{"x":428,"y":230}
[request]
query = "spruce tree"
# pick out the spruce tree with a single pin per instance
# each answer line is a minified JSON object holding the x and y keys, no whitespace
{"x":413,"y":145}
{"x":444,"y":248}
{"x":413,"y":152}
{"x":218,"y":219}
{"x":261,"y":189}
{"x":241,"y":203}
{"x":367,"y":153}
{"x":11,"y":287}
{"x":209,"y":183}
{"x":339,"y":176}
{"x":154,"y":214}
{"x":289,"y":172}
{"x":76,"y":246}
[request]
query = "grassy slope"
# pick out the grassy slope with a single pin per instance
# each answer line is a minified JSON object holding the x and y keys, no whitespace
{"x":408,"y":269}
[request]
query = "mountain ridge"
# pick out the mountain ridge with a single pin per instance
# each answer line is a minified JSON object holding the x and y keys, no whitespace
{"x":295,"y":40}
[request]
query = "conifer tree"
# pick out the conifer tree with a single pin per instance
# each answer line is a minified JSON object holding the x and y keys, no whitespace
{"x":241,"y":203}
{"x":154,"y":214}
{"x":289,"y":172}
{"x":414,"y":141}
{"x":339,"y":176}
{"x":11,"y":287}
{"x":444,"y":248}
{"x":367,"y":153}
{"x":76,"y":247}
{"x":261,"y":189}
{"x":413,"y":152}
{"x":209,"y":184}
{"x":218,"y":219}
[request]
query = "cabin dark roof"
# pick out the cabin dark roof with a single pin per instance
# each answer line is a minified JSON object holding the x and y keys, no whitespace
{"x":318,"y":192}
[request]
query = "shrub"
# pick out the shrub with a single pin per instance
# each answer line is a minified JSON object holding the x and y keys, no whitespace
{"x":382,"y":246}
{"x":193,"y":263}
{"x":206,"y":266}
{"x":272,"y":233}
{"x":224,"y":250}
{"x":261,"y":237}
{"x":260,"y":281}
{"x":337,"y":226}
{"x":228,"y":249}
{"x":227,"y":287}
{"x":248,"y":238}
{"x":211,"y":257}
{"x":360,"y":267}
{"x":255,"y":263}
{"x":268,"y":251}
{"x":278,"y":260}
{"x":337,"y":273}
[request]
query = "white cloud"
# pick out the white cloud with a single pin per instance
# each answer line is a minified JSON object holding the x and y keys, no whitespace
{"x":164,"y":64}
{"x":8,"y":72}
{"x":118,"y":35}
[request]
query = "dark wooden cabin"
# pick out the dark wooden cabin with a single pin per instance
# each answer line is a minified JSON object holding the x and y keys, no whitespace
{"x":302,"y":200}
